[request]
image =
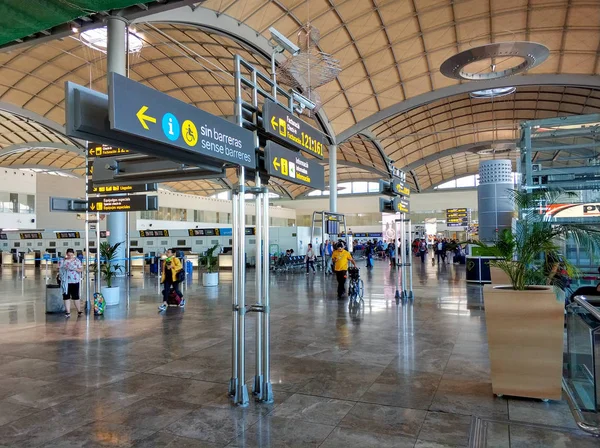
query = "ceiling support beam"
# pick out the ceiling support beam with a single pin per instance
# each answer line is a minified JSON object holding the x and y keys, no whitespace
{"x":562,"y":80}
{"x":373,"y":138}
{"x":24,"y":147}
{"x":416,"y":181}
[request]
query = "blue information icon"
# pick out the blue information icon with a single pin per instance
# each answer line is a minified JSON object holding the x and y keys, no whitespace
{"x":170,"y":126}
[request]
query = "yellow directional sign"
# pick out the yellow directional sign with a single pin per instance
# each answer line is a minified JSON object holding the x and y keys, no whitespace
{"x":291,"y":131}
{"x":289,"y":165}
{"x":98,"y":150}
{"x":106,"y":204}
{"x":141,"y":115}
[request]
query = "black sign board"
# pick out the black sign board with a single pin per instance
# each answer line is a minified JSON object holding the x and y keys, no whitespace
{"x":64,"y":235}
{"x":31,"y":236}
{"x":400,"y":187}
{"x":100,"y":150}
{"x":149,"y":114}
{"x":291,"y":166}
{"x":136,"y":203}
{"x":250,"y":231}
{"x":289,"y":130}
{"x":153,"y":233}
{"x":457,"y":217}
{"x":103,"y":234}
{"x":204,"y":232}
{"x":394,"y":205}
{"x":3,"y":236}
{"x":119,"y":189}
{"x":196,"y":232}
{"x":211,"y":232}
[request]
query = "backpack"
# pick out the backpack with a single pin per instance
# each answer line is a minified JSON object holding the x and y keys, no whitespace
{"x":99,"y":304}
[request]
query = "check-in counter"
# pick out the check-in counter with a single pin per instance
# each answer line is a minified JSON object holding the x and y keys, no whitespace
{"x":138,"y":259}
{"x":226,"y":261}
{"x":190,"y":256}
{"x":30,"y":259}
{"x":7,"y":258}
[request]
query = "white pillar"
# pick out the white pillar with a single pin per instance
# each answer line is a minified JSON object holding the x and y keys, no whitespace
{"x":333,"y":178}
{"x":116,"y":62}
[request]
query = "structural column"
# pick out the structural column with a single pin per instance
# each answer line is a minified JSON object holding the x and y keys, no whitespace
{"x":116,"y":54}
{"x":333,"y":178}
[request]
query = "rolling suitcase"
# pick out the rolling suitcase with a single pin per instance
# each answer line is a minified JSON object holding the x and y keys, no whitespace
{"x":173,"y":299}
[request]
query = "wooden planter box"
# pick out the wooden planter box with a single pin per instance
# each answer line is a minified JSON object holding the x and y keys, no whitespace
{"x":525,"y":336}
{"x":499,"y":277}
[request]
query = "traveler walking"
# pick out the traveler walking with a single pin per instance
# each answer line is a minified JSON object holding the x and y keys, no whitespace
{"x":340,"y":258}
{"x":328,"y":254}
{"x":310,"y":259}
{"x":171,"y":279}
{"x":369,"y":253}
{"x":422,"y":249}
{"x":70,"y":269}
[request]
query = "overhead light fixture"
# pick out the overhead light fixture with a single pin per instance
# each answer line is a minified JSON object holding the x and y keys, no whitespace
{"x":493,"y":93}
{"x":97,"y":39}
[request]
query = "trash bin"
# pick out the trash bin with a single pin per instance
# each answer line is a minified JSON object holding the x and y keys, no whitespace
{"x":54,"y":299}
{"x":154,"y":265}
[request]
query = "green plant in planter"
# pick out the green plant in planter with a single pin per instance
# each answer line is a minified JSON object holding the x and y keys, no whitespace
{"x":209,"y":260}
{"x":531,"y":254}
{"x":108,"y":266}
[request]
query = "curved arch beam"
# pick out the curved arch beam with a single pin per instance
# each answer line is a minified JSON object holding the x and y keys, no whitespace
{"x":227,"y":26}
{"x":451,"y":152}
{"x":24,"y":147}
{"x":564,"y":80}
{"x":29,"y":115}
{"x":342,"y":162}
{"x":373,"y":138}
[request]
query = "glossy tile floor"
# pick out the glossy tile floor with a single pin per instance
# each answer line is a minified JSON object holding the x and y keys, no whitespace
{"x":390,"y":376}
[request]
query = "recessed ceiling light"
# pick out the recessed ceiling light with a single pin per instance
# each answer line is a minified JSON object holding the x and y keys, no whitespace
{"x":97,"y":39}
{"x":493,"y":93}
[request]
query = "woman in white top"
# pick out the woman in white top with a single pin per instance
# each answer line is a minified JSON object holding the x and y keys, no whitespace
{"x":310,"y":259}
{"x":70,"y":277}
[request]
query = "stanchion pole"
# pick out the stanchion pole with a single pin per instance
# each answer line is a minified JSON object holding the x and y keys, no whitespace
{"x":267,"y":388}
{"x":234,"y":267}
{"x":46,"y":269}
{"x":258,"y":285}
{"x":23,"y":276}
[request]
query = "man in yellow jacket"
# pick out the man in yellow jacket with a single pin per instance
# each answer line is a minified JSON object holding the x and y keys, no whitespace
{"x":171,"y":267}
{"x":340,"y":258}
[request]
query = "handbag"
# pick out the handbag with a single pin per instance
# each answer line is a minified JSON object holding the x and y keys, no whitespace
{"x":180,"y":276}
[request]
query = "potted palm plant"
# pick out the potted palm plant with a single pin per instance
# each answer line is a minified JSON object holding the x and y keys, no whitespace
{"x":209,"y":261}
{"x":108,"y":271}
{"x":525,"y":319}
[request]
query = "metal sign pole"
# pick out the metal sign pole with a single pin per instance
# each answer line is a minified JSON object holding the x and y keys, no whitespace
{"x":396,"y":261}
{"x":260,"y":247}
{"x":234,"y":267}
{"x":241,"y":396}
{"x":404,"y":262}
{"x":267,"y":388}
{"x":97,"y":282}
{"x":410,"y":266}
{"x":87,"y":233}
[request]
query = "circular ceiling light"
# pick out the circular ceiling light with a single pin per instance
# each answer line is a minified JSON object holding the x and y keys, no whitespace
{"x":494,"y":61}
{"x":493,"y":93}
{"x":97,"y":39}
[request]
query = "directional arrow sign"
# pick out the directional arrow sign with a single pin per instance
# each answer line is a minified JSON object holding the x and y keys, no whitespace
{"x":120,"y":189}
{"x":149,"y":114}
{"x":135,"y":203}
{"x":400,"y":187}
{"x":99,"y":150}
{"x":291,"y":166}
{"x":290,"y":131}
